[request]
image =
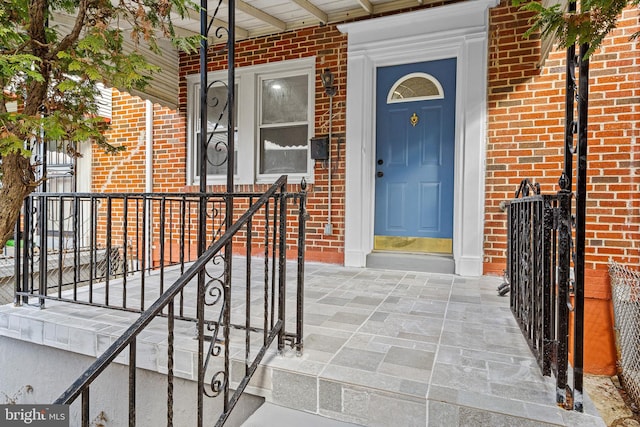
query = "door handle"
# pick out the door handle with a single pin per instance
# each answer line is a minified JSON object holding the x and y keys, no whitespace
{"x":380,"y":174}
{"x":380,"y":161}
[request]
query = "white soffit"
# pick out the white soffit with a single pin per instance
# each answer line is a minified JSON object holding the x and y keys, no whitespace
{"x":163,"y":89}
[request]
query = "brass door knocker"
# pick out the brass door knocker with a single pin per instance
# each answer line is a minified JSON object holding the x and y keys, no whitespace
{"x":414,"y":119}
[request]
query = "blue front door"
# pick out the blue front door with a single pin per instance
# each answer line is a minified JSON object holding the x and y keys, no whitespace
{"x":415,"y":138}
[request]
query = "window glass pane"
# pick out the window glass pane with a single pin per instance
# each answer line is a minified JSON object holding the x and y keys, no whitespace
{"x":217,"y":120}
{"x":423,"y":86}
{"x":284,"y":100}
{"x":218,"y":110}
{"x":283,"y":149}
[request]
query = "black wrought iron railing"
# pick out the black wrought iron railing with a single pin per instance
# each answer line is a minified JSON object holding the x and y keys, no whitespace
{"x":120,"y":250}
{"x":539,"y":265}
{"x":69,"y":241}
{"x":259,"y":296}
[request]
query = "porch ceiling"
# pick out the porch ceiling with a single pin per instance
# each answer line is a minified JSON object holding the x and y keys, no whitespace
{"x":253,"y":18}
{"x":262,"y":17}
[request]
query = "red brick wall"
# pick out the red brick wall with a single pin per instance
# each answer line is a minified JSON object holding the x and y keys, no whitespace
{"x":122,"y":171}
{"x":526,"y":134}
{"x":125,"y":171}
{"x":328,"y":45}
{"x":169,"y":150}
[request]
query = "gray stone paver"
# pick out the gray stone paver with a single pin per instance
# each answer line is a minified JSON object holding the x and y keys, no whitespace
{"x":381,"y":347}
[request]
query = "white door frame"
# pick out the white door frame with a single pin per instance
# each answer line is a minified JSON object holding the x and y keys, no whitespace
{"x":455,"y":31}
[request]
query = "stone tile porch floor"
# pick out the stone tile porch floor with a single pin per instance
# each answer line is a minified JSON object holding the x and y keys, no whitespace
{"x":381,"y":348}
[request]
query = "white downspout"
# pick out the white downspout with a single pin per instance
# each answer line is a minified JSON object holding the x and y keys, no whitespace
{"x":148,"y":180}
{"x":148,"y":147}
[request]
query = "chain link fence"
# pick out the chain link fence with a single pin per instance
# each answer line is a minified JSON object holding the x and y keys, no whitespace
{"x":6,"y":293}
{"x":625,"y":288}
{"x":7,"y":275}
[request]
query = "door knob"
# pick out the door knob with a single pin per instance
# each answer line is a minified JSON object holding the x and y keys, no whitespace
{"x":380,"y":161}
{"x":380,"y":174}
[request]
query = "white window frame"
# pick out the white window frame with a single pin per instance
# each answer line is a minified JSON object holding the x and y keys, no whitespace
{"x":248,"y":98}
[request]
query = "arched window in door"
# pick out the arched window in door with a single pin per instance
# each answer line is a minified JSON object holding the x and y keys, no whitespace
{"x":415,"y":87}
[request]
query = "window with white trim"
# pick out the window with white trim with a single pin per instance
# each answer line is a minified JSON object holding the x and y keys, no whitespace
{"x":274,"y":118}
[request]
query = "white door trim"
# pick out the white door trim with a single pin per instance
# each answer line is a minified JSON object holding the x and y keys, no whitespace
{"x":455,"y":31}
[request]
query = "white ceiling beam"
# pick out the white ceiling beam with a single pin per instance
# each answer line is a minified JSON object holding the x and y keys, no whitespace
{"x":312,"y":9}
{"x":366,"y":5}
{"x":262,"y":16}
{"x":195,"y":14}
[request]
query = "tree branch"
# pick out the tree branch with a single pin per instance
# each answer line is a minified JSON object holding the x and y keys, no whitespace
{"x":37,"y":13}
{"x":73,"y":36}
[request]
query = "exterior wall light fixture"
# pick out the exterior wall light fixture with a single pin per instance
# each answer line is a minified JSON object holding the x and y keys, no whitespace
{"x":327,"y":82}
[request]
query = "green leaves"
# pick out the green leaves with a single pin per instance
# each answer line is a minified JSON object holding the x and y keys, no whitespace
{"x":54,"y":53}
{"x":20,"y":64}
{"x":591,"y":24}
{"x":13,"y":142}
{"x":10,"y":143}
{"x":187,"y":44}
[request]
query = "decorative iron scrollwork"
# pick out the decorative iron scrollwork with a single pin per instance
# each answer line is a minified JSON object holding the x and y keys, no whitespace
{"x":220,"y":108}
{"x":216,"y":385}
{"x":220,"y":102}
{"x":525,"y":187}
{"x":214,"y":292}
{"x":215,"y":344}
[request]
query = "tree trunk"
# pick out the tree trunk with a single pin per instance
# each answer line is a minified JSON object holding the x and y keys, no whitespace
{"x":17,"y":182}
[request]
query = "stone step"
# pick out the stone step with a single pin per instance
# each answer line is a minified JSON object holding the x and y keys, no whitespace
{"x":303,"y":399}
{"x":270,"y":415}
{"x":447,"y":414}
{"x":428,"y":263}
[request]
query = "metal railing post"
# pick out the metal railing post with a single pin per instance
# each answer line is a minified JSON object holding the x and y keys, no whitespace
{"x":202,"y":228}
{"x":302,"y":221}
{"x":282,"y":264}
{"x":581,"y":212}
{"x":42,"y":265}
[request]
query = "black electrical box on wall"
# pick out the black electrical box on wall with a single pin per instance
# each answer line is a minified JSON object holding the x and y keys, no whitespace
{"x":320,"y":148}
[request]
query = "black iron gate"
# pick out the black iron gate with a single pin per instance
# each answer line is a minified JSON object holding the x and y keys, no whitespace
{"x":546,"y":250}
{"x":542,"y":287}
